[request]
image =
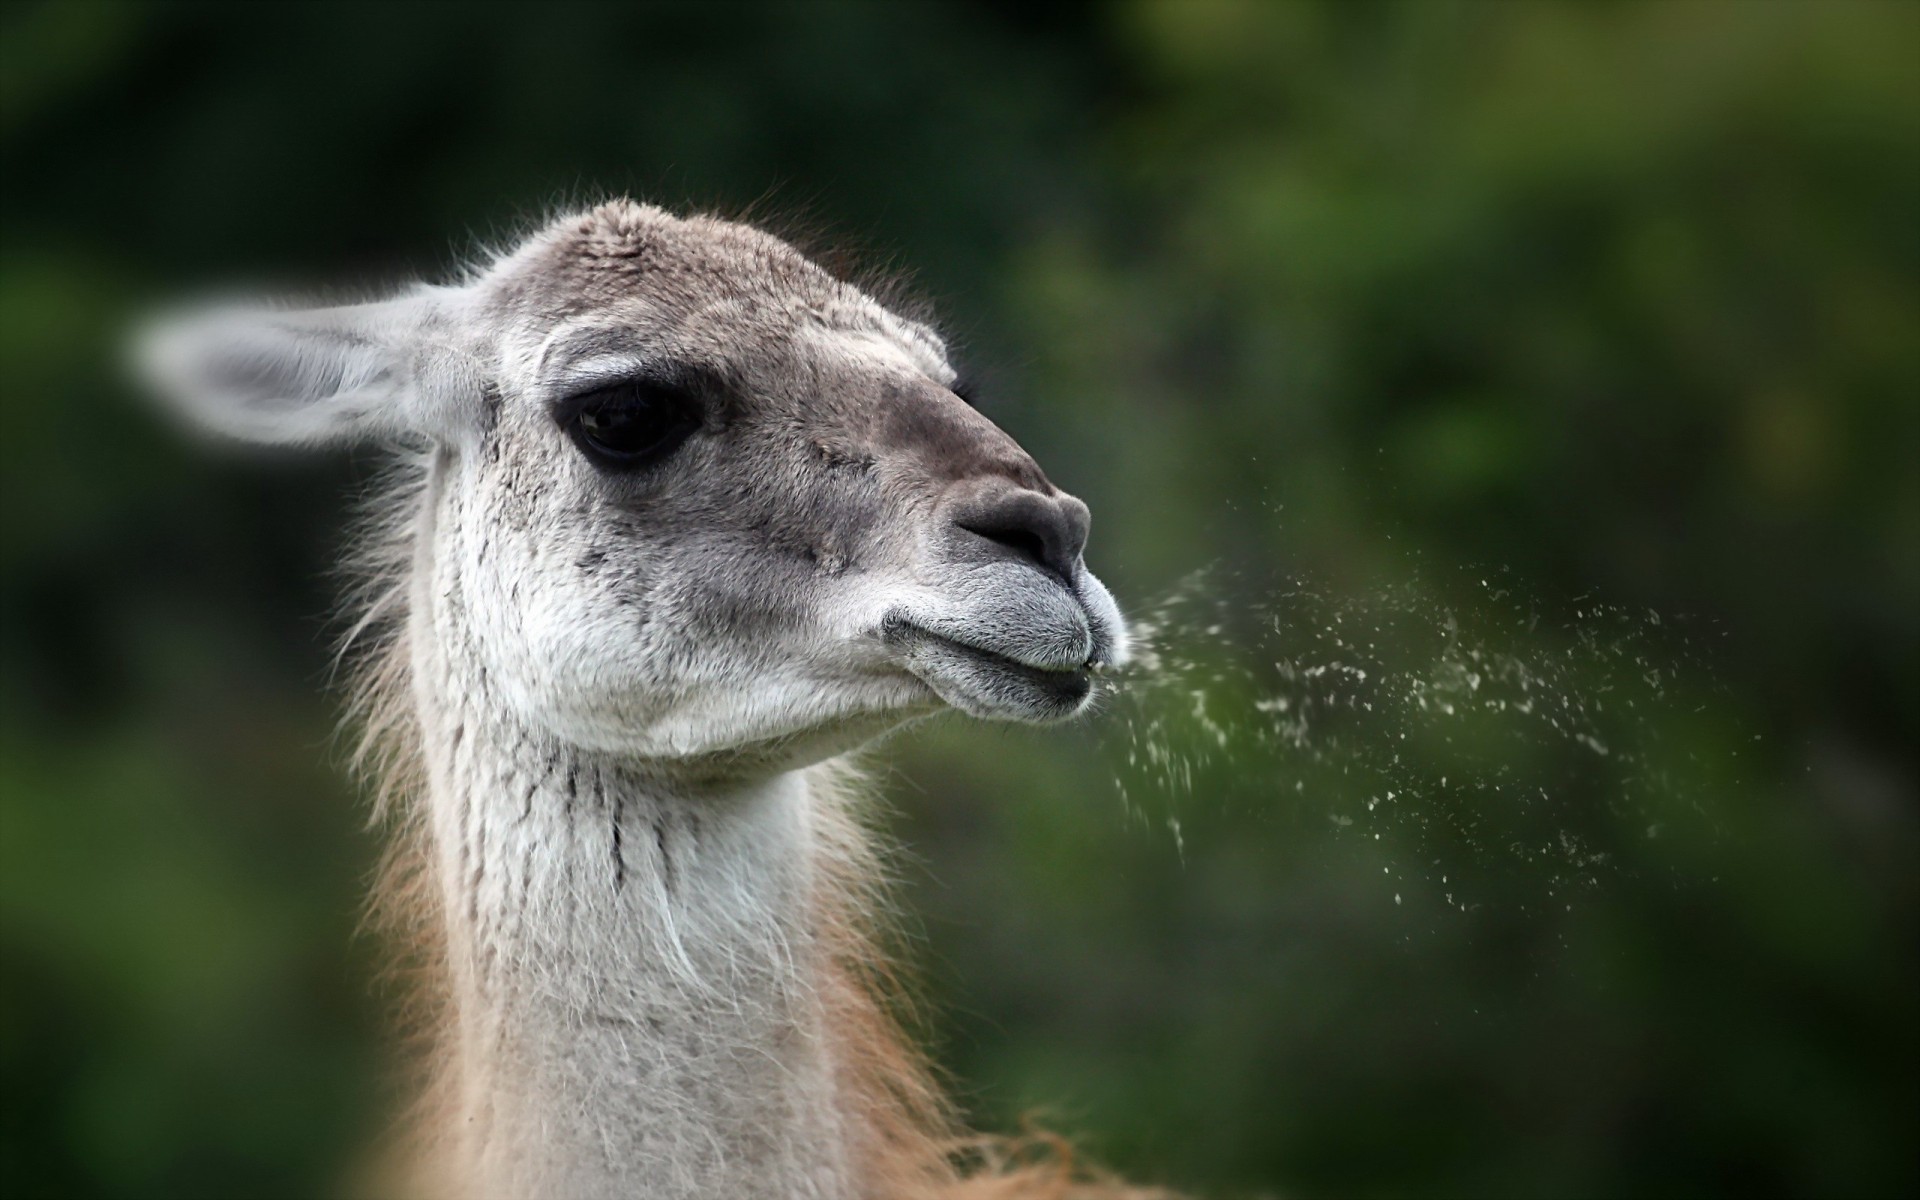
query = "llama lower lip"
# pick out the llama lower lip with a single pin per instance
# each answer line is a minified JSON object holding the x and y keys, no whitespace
{"x":990,"y":684}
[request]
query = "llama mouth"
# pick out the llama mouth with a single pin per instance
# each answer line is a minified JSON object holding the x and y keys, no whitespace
{"x":987,"y":683}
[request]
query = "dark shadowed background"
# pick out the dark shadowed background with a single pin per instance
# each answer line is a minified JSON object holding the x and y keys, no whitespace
{"x":1588,"y":335}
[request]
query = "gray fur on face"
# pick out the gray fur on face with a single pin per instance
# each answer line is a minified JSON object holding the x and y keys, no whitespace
{"x":841,"y":544}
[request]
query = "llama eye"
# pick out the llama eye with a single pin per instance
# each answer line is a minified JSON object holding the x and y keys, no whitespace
{"x":630,"y":424}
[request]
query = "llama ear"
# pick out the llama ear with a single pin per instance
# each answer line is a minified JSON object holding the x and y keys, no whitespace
{"x":315,"y":376}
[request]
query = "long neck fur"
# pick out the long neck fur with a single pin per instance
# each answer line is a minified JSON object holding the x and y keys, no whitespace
{"x":627,"y":984}
{"x":633,"y":968}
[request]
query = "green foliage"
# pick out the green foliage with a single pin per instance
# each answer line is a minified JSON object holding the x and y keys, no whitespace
{"x":1442,"y":329}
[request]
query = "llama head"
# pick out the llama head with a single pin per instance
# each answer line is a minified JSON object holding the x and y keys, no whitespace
{"x":689,"y":496}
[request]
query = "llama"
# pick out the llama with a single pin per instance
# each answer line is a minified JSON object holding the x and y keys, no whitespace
{"x":681,"y":519}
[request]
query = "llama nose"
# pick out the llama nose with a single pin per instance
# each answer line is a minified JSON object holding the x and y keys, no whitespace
{"x":1048,"y":532}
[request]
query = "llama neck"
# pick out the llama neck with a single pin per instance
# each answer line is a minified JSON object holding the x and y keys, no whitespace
{"x":633,"y":971}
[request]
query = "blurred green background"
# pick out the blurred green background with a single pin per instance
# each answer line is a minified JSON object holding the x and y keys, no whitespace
{"x":1616,"y":306}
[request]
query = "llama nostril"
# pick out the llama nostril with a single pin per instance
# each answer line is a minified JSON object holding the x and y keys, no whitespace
{"x":1023,"y":542}
{"x":1049,"y":533}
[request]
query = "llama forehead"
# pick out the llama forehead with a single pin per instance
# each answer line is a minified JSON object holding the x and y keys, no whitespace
{"x":624,"y":278}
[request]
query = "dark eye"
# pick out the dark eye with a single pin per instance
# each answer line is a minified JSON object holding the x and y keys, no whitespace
{"x":629,"y":425}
